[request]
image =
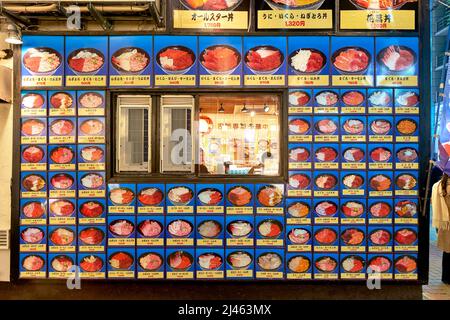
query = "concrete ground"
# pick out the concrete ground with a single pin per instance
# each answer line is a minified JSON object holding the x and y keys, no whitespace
{"x":436,"y":290}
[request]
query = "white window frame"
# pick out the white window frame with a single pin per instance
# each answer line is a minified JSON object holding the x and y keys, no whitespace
{"x":122,"y":131}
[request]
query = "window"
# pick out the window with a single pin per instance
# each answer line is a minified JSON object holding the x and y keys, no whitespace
{"x":239,"y":134}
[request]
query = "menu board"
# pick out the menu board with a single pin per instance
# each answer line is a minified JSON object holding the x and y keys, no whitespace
{"x":295,"y":15}
{"x":175,"y":61}
{"x":211,"y":14}
{"x":86,"y":60}
{"x":378,"y":14}
{"x":130,"y":61}
{"x":42,"y":61}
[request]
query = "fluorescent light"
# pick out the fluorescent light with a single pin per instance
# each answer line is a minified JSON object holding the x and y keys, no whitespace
{"x":14,"y":36}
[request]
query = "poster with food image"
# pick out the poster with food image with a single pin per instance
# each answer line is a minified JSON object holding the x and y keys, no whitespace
{"x":91,"y":238}
{"x":33,"y":157}
{"x":299,"y":266}
{"x":32,"y":266}
{"x":353,"y":238}
{"x":91,"y":130}
{"x":269,"y":231}
{"x":220,"y":61}
{"x":211,"y":15}
{"x":121,"y":263}
{"x":121,"y":198}
{"x":62,"y":130}
{"x":150,"y":231}
{"x":92,"y":265}
{"x":353,"y":101}
{"x":91,"y":103}
{"x":240,"y":263}
{"x":180,"y":263}
{"x":406,"y":183}
{"x":326,"y":101}
{"x":407,"y":101}
{"x":295,"y":14}
{"x":378,"y":15}
{"x":380,"y":101}
{"x":326,"y":211}
{"x":240,"y":231}
{"x":381,"y":156}
{"x":326,"y":266}
{"x":352,"y":60}
{"x":33,"y":184}
{"x":210,"y":231}
{"x":62,"y":157}
{"x":300,"y":129}
{"x":353,"y":211}
{"x":180,"y":198}
{"x":240,"y":198}
{"x":130,"y":61}
{"x":353,"y":183}
{"x":91,"y":184}
{"x":298,"y":211}
{"x":406,"y":129}
{"x":380,"y":183}
{"x":180,"y":231}
{"x":299,"y":238}
{"x":405,"y":266}
{"x":210,"y":263}
{"x":62,"y":103}
{"x":210,"y":199}
{"x":86,"y":60}
{"x":175,"y":61}
{"x":326,"y":156}
{"x":308,"y":61}
{"x":353,"y":156}
{"x":264,"y":61}
{"x":121,"y":231}
{"x":62,"y":211}
{"x":33,"y":238}
{"x":300,"y":184}
{"x":269,"y":264}
{"x":379,"y":238}
{"x":91,"y":157}
{"x":397,"y":61}
{"x":300,"y":101}
{"x":380,"y":265}
{"x":406,"y":211}
{"x":42,"y":61}
{"x":33,"y":103}
{"x":406,"y":238}
{"x":300,"y":156}
{"x":380,"y":211}
{"x":326,"y":128}
{"x":62,"y":184}
{"x":407,"y":156}
{"x":33,"y":130}
{"x":353,"y":266}
{"x":91,"y":211}
{"x":150,"y":198}
{"x":60,"y":265}
{"x":269,"y":198}
{"x":33,"y":212}
{"x":380,"y":128}
{"x":150,"y":263}
{"x":62,"y":238}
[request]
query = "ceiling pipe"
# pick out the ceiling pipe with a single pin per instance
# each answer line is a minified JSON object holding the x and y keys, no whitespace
{"x":104,"y":23}
{"x":19,"y":21}
{"x":84,"y":9}
{"x":154,"y":11}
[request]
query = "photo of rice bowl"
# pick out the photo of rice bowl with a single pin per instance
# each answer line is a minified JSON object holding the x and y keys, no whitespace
{"x":405,"y":264}
{"x":220,"y":59}
{"x":239,"y":228}
{"x":180,"y":228}
{"x":307,"y":61}
{"x":299,"y":181}
{"x":121,"y":196}
{"x":299,"y":98}
{"x":299,"y":154}
{"x":62,"y":236}
{"x":32,"y":127}
{"x":326,"y":154}
{"x":380,"y":182}
{"x":150,"y":261}
{"x":180,"y":260}
{"x":92,"y":127}
{"x":61,"y":208}
{"x":325,"y":236}
{"x":353,"y":181}
{"x":298,"y":209}
{"x":90,"y":100}
{"x":380,"y":264}
{"x":326,"y":208}
{"x":380,"y":154}
{"x":61,"y":100}
{"x":33,"y":154}
{"x":264,"y":60}
{"x":269,"y":261}
{"x":380,"y":237}
{"x":406,"y":181}
{"x":32,"y":100}
{"x":299,"y":236}
{"x":397,"y":59}
{"x":210,"y":197}
{"x":380,"y":99}
{"x":85,"y":61}
{"x":62,"y":154}
{"x":41,"y":61}
{"x":270,"y":195}
{"x":92,"y":181}
{"x":326,"y":127}
{"x":380,"y":126}
{"x":92,"y":154}
{"x":33,"y":182}
{"x":326,"y":98}
{"x":210,"y":261}
{"x":353,"y":154}
{"x":353,"y":98}
{"x":299,"y":126}
{"x":270,"y":228}
{"x":32,"y":235}
{"x":406,"y":209}
{"x":326,"y":264}
{"x":380,"y":209}
{"x":175,"y":59}
{"x":239,"y":260}
{"x":408,"y":99}
{"x":150,"y":196}
{"x":351,"y":60}
{"x":325,"y":182}
{"x":62,"y":181}
{"x":92,"y":209}
{"x":209,"y":229}
{"x":130,"y":60}
{"x":239,"y":196}
{"x":33,"y":263}
{"x":352,"y":237}
{"x":121,"y":260}
{"x":150,"y":228}
{"x":352,"y":209}
{"x":180,"y":196}
{"x":121,"y":228}
{"x":91,"y":263}
{"x":405,"y":236}
{"x":353,"y":264}
{"x":91,"y":236}
{"x":299,"y":264}
{"x":33,"y":209}
{"x":62,"y":127}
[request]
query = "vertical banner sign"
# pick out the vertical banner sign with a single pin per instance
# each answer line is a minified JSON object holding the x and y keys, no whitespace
{"x":86,"y":63}
{"x":378,"y":15}
{"x":211,"y":14}
{"x":42,"y":61}
{"x":444,"y":122}
{"x":130,"y":62}
{"x":295,"y":15}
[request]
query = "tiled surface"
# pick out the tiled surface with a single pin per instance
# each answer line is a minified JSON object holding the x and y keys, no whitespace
{"x":436,"y":290}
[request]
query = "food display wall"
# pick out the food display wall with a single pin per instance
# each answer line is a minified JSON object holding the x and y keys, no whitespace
{"x":348,"y":197}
